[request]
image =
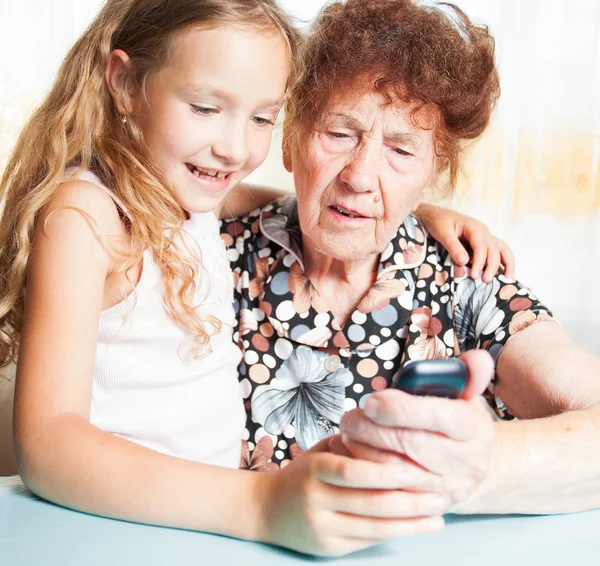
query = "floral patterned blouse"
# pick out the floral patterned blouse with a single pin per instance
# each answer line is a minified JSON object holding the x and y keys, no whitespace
{"x":301,"y":370}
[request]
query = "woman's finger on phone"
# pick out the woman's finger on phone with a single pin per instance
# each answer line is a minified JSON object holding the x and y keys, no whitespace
{"x":393,"y":408}
{"x":481,"y":370}
{"x":419,"y":446}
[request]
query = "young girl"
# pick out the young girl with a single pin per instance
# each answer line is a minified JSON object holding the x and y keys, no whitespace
{"x":116,"y":291}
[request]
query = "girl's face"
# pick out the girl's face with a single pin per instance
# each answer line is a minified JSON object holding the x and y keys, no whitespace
{"x":208,"y":115}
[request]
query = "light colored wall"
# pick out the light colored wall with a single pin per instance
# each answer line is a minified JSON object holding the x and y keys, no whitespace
{"x":534,"y":178}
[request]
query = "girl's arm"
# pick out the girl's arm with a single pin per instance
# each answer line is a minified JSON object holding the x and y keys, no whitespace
{"x":322,"y":503}
{"x":61,"y":456}
{"x":244,"y":198}
{"x":450,"y":228}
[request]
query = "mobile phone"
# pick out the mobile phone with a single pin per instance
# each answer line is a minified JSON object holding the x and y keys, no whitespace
{"x":434,"y":378}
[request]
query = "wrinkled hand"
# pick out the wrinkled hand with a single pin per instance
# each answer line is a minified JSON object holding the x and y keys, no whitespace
{"x":449,"y":228}
{"x":437,"y":445}
{"x":329,"y":505}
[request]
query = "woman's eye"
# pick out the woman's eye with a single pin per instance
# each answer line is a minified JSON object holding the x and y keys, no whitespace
{"x":262,"y":121}
{"x":401,"y":151}
{"x":338,"y":135}
{"x":203,"y":110}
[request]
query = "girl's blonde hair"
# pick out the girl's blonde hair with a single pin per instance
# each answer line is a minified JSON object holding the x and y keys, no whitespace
{"x":78,"y":125}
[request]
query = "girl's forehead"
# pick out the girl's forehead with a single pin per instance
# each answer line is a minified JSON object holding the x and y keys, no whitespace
{"x":229,"y":57}
{"x":212,"y":38}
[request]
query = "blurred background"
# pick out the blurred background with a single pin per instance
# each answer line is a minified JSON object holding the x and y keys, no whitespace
{"x":534,"y":177}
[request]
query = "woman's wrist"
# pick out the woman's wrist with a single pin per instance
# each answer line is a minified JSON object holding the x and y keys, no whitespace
{"x":485,"y":498}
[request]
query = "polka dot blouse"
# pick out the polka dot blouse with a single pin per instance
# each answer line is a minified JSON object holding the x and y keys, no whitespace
{"x":301,"y":370}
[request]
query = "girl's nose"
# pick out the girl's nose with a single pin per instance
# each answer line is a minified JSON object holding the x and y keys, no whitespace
{"x":233,"y":145}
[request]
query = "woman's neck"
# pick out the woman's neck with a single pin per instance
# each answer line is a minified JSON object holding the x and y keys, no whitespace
{"x":341,"y":284}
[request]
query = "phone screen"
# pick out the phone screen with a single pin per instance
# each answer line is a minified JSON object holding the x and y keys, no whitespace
{"x":434,"y":378}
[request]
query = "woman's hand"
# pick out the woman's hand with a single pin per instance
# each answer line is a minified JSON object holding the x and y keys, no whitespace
{"x":330,"y":505}
{"x":443,"y":446}
{"x":449,"y":228}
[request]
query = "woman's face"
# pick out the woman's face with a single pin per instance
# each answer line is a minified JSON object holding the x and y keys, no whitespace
{"x":362,"y":170}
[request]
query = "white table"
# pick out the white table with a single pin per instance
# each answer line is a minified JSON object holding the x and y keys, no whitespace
{"x":34,"y":532}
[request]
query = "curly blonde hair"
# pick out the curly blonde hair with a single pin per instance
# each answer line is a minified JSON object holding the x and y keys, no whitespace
{"x":78,"y":126}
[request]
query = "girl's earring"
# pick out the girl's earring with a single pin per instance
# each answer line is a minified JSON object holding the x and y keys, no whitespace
{"x":123,"y":119}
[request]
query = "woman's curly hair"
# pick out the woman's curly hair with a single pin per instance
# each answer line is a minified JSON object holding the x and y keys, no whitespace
{"x":430,"y":56}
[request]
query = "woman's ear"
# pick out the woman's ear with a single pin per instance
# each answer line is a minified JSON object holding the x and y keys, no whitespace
{"x":119,"y":66}
{"x":287,"y":158}
{"x":287,"y":150}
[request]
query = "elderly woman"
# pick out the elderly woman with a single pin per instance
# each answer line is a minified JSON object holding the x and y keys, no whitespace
{"x":341,"y":287}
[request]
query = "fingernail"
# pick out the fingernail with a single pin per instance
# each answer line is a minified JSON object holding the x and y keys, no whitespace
{"x":438,"y":503}
{"x":436,"y":523}
{"x":463,"y":258}
{"x":372,"y":407}
{"x":475,"y":274}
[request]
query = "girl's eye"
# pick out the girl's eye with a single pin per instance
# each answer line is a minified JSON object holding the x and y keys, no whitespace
{"x":262,"y":121}
{"x":400,"y":151}
{"x":203,"y":110}
{"x":338,"y":135}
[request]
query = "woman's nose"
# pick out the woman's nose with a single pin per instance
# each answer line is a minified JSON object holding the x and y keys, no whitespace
{"x":361,"y":173}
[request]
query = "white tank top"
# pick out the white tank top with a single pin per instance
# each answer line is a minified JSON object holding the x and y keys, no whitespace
{"x":147,"y":386}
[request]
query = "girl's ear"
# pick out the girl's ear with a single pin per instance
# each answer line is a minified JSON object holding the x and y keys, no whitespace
{"x":119,"y":66}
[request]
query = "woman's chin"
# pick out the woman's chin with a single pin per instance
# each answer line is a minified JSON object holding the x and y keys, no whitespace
{"x":347,"y":248}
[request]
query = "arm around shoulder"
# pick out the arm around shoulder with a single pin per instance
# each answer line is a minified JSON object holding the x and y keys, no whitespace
{"x":244,"y":198}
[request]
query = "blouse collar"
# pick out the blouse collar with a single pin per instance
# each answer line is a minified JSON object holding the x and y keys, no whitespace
{"x":407,"y":250}
{"x":297,"y":312}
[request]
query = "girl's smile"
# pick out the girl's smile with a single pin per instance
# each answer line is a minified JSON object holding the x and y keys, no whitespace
{"x":210,"y":180}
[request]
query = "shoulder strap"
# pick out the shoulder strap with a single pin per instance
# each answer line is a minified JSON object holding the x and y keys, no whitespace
{"x":90,"y":177}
